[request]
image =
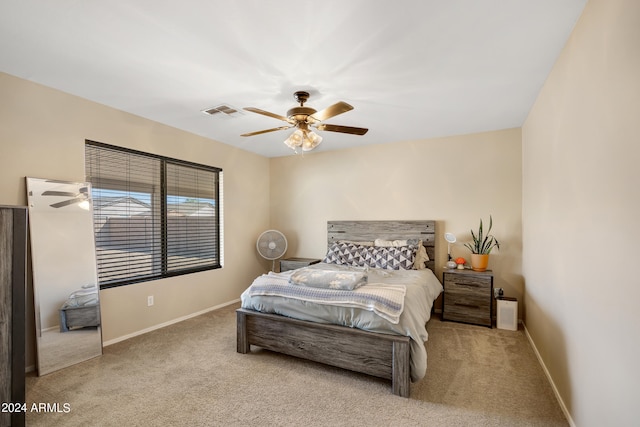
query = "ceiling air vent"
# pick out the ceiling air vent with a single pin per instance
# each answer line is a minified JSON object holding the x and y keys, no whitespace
{"x":226,"y":110}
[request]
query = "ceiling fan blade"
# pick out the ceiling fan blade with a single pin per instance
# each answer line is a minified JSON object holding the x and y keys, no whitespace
{"x":266,"y":130}
{"x":331,"y":111}
{"x":342,"y":129}
{"x":67,"y":202}
{"x":267,"y":113}
{"x":59,"y":193}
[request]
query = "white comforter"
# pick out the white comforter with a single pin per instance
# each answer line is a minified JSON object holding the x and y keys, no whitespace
{"x":422,"y":288}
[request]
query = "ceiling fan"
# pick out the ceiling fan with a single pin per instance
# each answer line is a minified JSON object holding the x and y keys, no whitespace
{"x":81,"y":196}
{"x":303,"y":119}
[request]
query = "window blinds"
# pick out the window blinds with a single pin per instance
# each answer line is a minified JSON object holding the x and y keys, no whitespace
{"x":153,"y":216}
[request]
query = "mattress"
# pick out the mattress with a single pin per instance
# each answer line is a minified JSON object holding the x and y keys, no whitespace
{"x":421,"y":289}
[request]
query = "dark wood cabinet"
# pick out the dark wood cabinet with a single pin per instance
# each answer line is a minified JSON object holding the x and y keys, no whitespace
{"x":13,"y":255}
{"x":468,"y":296}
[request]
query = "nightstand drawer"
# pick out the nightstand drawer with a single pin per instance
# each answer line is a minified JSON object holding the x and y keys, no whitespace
{"x":467,"y":300}
{"x":461,"y":312}
{"x":478,"y":290}
{"x":467,"y":281}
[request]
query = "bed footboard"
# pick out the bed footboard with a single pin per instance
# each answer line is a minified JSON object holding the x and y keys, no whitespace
{"x":79,"y":317}
{"x":380,"y":355}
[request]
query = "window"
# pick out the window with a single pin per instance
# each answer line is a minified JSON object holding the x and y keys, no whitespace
{"x":153,"y":216}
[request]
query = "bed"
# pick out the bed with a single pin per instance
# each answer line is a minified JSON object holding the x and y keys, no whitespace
{"x":81,"y":309}
{"x":383,"y":349}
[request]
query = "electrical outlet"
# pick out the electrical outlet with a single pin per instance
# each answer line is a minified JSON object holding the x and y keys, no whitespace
{"x":149,"y":300}
{"x":497,"y":292}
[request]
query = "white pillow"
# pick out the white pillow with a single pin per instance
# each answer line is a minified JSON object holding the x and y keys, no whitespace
{"x":421,"y":257}
{"x":390,"y":243}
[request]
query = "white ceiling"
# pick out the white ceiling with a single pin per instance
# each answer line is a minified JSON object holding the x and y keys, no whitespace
{"x":413,"y":69}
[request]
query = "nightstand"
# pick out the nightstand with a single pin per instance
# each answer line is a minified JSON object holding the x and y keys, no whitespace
{"x":293,"y":263}
{"x":468,"y":296}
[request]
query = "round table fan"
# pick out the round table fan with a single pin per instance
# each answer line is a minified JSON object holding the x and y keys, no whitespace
{"x":272,"y":245}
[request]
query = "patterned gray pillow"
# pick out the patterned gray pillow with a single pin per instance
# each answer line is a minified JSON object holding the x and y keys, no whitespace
{"x":333,"y":255}
{"x":344,"y":253}
{"x":388,"y":258}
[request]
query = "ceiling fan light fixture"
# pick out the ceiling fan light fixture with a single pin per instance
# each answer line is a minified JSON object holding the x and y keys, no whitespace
{"x":311,"y":141}
{"x":295,"y":140}
{"x":303,"y":138}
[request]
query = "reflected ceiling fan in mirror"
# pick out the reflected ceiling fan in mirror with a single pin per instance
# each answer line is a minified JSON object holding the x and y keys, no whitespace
{"x":81,"y":197}
{"x":304,"y":119}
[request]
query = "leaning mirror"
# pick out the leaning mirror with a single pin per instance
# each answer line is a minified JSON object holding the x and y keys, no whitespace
{"x":65,"y":283}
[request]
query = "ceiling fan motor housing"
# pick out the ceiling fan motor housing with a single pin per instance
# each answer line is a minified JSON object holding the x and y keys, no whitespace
{"x":300,"y":114}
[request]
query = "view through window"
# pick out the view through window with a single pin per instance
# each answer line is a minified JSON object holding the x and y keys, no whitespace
{"x":153,"y":216}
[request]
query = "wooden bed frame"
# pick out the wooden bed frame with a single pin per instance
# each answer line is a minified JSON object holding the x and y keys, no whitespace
{"x":380,"y":355}
{"x":79,"y":317}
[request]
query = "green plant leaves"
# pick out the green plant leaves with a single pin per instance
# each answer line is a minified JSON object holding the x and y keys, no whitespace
{"x":483,"y":244}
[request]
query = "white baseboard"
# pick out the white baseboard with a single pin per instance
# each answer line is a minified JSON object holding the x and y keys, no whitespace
{"x":170,"y":322}
{"x":546,"y":372}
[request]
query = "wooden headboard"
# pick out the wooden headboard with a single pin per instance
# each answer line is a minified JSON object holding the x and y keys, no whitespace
{"x":388,"y":230}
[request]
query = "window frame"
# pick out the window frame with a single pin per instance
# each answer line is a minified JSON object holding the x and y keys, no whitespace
{"x":164,"y":161}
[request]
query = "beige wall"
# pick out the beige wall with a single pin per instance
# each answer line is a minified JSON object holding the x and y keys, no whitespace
{"x":563,"y":193}
{"x":455,"y":181}
{"x":42,"y":134}
{"x":581,"y":205}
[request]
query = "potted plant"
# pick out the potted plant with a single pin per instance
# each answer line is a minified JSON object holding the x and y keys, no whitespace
{"x":481,"y":247}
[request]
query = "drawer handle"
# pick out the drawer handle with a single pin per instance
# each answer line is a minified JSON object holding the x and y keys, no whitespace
{"x":475,"y":285}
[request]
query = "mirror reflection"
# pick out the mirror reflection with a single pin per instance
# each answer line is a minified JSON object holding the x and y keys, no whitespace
{"x":65,"y":283}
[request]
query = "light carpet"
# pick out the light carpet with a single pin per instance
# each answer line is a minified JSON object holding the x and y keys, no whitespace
{"x":189,"y":374}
